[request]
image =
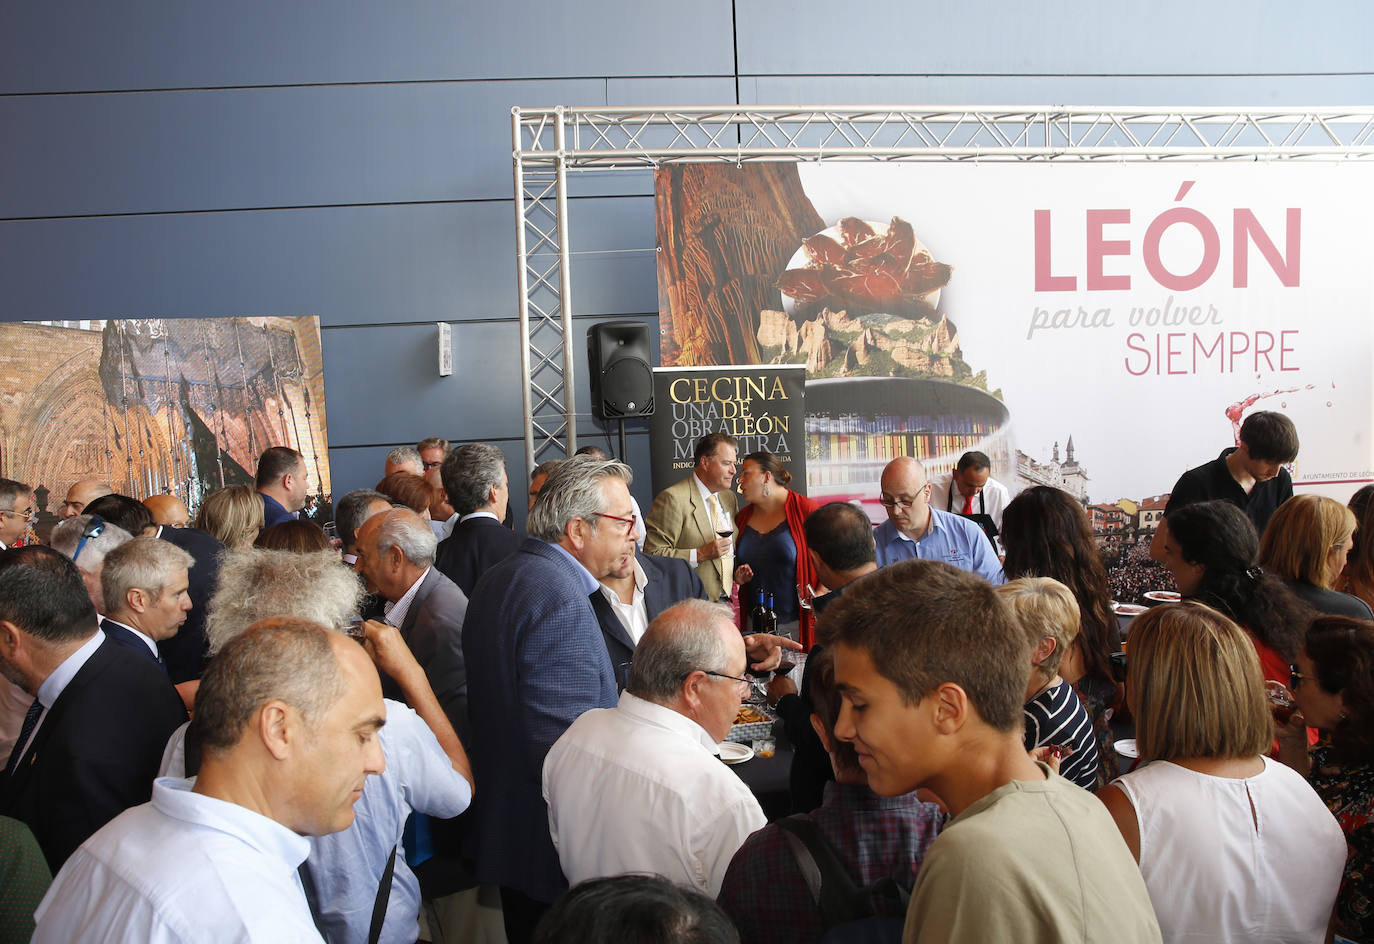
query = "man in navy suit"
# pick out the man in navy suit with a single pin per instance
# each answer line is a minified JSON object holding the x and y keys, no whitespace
{"x":184,"y":653}
{"x":281,"y":481}
{"x":145,"y":583}
{"x":475,"y":480}
{"x":536,"y":661}
{"x":101,"y":717}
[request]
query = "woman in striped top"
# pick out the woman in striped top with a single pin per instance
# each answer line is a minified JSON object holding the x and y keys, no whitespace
{"x":1048,"y":612}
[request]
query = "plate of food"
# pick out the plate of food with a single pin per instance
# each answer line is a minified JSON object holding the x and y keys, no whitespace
{"x":863,"y":266}
{"x":1162,"y":596}
{"x":732,"y":752}
{"x":751,"y":721}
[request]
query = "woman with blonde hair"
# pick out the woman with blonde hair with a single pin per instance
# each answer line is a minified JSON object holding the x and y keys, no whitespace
{"x":234,"y":514}
{"x":1048,"y":613}
{"x":1233,"y":846}
{"x":1306,"y":544}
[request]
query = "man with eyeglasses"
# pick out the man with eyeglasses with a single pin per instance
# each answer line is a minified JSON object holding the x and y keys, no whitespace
{"x":914,"y":529}
{"x":16,"y":511}
{"x":535,"y":662}
{"x":640,"y":787}
{"x":695,"y":519}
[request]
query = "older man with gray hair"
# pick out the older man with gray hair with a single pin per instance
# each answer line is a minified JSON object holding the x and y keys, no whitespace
{"x":404,"y":459}
{"x":536,"y":661}
{"x":475,"y":480}
{"x":427,"y":770}
{"x":85,"y":540}
{"x":395,"y":559}
{"x":640,"y":787}
{"x":144,"y":582}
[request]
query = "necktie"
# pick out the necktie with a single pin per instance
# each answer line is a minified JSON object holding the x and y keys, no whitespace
{"x":30,"y":722}
{"x":726,"y":561}
{"x":968,"y":504}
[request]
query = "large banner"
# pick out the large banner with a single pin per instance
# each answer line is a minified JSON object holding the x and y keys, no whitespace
{"x":1097,"y":327}
{"x":762,"y":407}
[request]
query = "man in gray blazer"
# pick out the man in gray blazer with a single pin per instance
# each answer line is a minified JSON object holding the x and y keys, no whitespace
{"x":395,"y":558}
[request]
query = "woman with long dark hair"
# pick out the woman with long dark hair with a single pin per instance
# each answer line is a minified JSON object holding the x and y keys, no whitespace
{"x":1333,"y":684}
{"x":1047,"y":534}
{"x":1213,"y":552}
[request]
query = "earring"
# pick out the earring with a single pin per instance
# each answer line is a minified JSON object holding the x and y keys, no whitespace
{"x":765,"y":489}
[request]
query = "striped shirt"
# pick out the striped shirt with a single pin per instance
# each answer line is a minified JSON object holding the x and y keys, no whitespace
{"x":1056,"y":716}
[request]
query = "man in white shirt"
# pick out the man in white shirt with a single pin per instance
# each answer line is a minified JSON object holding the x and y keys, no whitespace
{"x":640,"y":787}
{"x":287,"y":716}
{"x":145,"y":583}
{"x":971,"y":491}
{"x":695,"y":518}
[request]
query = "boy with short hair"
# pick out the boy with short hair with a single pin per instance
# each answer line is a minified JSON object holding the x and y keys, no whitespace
{"x":933,"y":670}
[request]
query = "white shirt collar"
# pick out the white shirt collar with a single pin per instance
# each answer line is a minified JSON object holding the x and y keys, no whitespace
{"x":475,"y":514}
{"x":396,"y":612}
{"x":665,"y":717}
{"x":701,"y":487}
{"x":175,"y":798}
{"x":61,"y":677}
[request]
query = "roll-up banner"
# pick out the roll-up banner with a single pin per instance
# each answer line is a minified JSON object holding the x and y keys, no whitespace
{"x":763,"y":407}
{"x":1097,"y":327}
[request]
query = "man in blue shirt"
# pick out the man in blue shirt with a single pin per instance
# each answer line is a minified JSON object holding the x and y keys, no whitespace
{"x":914,"y":529}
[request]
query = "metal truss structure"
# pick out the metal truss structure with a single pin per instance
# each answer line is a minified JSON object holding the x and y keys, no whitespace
{"x":549,"y":143}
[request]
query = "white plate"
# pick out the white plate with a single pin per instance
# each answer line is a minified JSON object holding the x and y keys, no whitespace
{"x":733,"y":753}
{"x":1163,"y":596}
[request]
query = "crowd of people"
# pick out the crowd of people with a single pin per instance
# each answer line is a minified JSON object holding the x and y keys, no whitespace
{"x":422,"y":724}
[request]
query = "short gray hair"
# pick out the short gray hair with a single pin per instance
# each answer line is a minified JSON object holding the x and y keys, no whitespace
{"x":406,"y":530}
{"x":680,"y":641}
{"x":66,"y":535}
{"x":145,"y":563}
{"x":350,"y":512}
{"x":257,"y":583}
{"x":573,"y":490}
{"x":406,"y":455}
{"x":470,"y":473}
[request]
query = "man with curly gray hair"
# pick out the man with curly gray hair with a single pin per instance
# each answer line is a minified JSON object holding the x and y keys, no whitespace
{"x":536,"y":661}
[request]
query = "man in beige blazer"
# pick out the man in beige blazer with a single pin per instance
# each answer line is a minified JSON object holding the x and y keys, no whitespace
{"x":695,"y":519}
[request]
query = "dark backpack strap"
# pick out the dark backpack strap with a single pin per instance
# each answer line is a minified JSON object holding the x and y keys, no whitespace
{"x":840,"y":899}
{"x":374,"y":933}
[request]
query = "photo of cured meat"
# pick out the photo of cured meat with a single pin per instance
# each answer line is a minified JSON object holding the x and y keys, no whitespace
{"x":863,"y":267}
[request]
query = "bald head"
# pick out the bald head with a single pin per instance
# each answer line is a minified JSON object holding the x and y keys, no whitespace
{"x":168,"y":511}
{"x":81,"y":494}
{"x":906,"y":496}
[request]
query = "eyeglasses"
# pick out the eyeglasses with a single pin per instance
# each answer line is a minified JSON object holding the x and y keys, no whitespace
{"x":30,"y":514}
{"x":433,"y":465}
{"x":1294,"y":678}
{"x":93,"y":530}
{"x":629,"y":522}
{"x":734,"y":678}
{"x":899,"y":502}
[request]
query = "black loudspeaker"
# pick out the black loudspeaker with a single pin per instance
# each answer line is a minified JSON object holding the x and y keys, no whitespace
{"x":622,"y":380}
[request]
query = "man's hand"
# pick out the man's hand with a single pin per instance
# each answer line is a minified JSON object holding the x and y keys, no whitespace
{"x":389,"y":652}
{"x":778,"y":686}
{"x":765,"y":650}
{"x":715,"y":548}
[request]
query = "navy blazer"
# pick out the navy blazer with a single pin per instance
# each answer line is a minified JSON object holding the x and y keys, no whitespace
{"x":96,"y":752}
{"x":126,"y":639}
{"x":668,"y":580}
{"x":474,"y":546}
{"x":535,"y":662}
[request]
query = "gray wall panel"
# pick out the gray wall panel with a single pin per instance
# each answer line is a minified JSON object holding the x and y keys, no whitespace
{"x":383,"y":386}
{"x":275,"y":147}
{"x":1041,"y":90}
{"x":146,"y":44}
{"x":1084,"y":37}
